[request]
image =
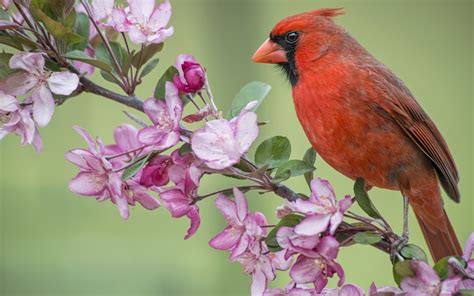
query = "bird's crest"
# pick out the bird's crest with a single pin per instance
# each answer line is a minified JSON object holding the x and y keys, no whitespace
{"x":328,"y":12}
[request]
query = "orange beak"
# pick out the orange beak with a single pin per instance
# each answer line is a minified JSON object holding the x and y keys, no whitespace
{"x":270,"y":53}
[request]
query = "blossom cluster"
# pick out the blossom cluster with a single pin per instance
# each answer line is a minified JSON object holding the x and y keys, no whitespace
{"x":37,"y":85}
{"x":162,"y":162}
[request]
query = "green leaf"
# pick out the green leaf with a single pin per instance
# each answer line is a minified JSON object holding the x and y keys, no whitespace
{"x":11,"y":41}
{"x":133,"y":169}
{"x":108,"y":76}
{"x":411,"y":251}
{"x":258,"y":173}
{"x":61,"y":8}
{"x":149,"y":67}
{"x":289,"y":220}
{"x":281,"y":176}
{"x":185,"y":149}
{"x":5,"y":70}
{"x":120,"y":53}
{"x":160,"y":86}
{"x":402,"y":269}
{"x":273,"y":152}
{"x":442,"y":266}
{"x":294,"y":167}
{"x":58,"y":30}
{"x":310,"y":158}
{"x":363,"y":199}
{"x":82,"y":28}
{"x":4,"y":16}
{"x":253,"y":91}
{"x":367,"y":238}
{"x":465,"y":292}
{"x":146,"y":54}
{"x":78,"y":55}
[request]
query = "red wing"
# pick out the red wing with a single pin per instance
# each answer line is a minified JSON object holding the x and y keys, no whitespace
{"x":404,"y":109}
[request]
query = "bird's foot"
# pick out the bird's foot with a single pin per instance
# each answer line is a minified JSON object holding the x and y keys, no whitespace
{"x":398,"y":244}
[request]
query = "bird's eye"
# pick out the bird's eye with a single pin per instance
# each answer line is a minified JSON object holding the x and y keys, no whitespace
{"x":292,"y":37}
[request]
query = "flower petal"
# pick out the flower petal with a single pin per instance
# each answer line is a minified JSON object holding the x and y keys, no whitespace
{"x":313,"y":225}
{"x":259,"y":283}
{"x":19,"y":83}
{"x":176,"y":202}
{"x":246,"y":130}
{"x":63,"y":83}
{"x":305,"y":270}
{"x":321,"y":187}
{"x":29,"y":61}
{"x":136,"y":35}
{"x":227,"y":208}
{"x":141,"y":10}
{"x":195,"y":219}
{"x":161,"y":16}
{"x":43,"y":106}
{"x":225,"y":240}
{"x":151,"y":135}
{"x":87,"y":137}
{"x":146,"y":200}
{"x":88,"y":184}
{"x":241,"y":203}
{"x":8,"y":103}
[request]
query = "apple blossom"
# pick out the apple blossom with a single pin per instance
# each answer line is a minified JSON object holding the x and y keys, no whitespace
{"x":262,"y":265}
{"x":126,"y":148}
{"x":291,"y":289}
{"x":322,"y":212}
{"x":147,"y":21}
{"x":346,"y":290}
{"x":243,"y":228}
{"x":98,"y":178}
{"x":16,"y":119}
{"x":191,"y":76}
{"x":179,"y":200}
{"x":426,"y":282}
{"x":221,"y":143}
{"x":319,"y":266}
{"x":164,"y":132}
{"x":386,"y":289}
{"x":467,"y":254}
{"x":42,"y":83}
{"x":294,"y":243}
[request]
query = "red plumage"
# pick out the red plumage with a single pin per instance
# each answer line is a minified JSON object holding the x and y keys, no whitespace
{"x":364,"y":121}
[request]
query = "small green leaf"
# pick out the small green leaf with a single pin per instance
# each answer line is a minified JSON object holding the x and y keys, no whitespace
{"x":149,"y":67}
{"x":411,"y":251}
{"x":146,"y":54}
{"x":108,"y":76}
{"x":367,"y":238}
{"x":81,"y":56}
{"x":103,"y":55}
{"x":273,"y":152}
{"x":133,"y":169}
{"x":466,"y":292}
{"x":258,"y":173}
{"x":61,"y":7}
{"x":253,"y":91}
{"x":10,"y":41}
{"x":402,"y":269}
{"x":160,"y":86}
{"x":310,"y":158}
{"x":363,"y":199}
{"x":442,"y":266}
{"x":294,"y":167}
{"x":5,"y":70}
{"x":282,"y":176}
{"x":58,"y":30}
{"x":185,"y":149}
{"x":289,"y":220}
{"x":82,"y":28}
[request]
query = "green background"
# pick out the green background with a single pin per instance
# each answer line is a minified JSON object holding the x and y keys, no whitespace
{"x":56,"y":243}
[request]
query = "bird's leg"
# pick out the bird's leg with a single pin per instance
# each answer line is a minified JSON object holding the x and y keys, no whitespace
{"x":398,"y":244}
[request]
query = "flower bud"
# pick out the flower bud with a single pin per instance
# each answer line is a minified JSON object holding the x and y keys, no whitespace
{"x":191,"y":76}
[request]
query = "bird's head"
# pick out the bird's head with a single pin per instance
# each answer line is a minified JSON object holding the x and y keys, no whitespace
{"x":298,"y":40}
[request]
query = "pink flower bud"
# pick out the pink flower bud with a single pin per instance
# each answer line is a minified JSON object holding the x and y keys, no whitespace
{"x":191,"y":76}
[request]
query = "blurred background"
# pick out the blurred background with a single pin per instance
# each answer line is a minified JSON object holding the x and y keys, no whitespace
{"x":53,"y":242}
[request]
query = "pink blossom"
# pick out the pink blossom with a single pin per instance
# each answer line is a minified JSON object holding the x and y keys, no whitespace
{"x":180,"y":199}
{"x":262,"y":265}
{"x":16,"y":119}
{"x":164,"y":132}
{"x":126,"y":148}
{"x":346,"y":290}
{"x":426,"y":282}
{"x":291,"y":289}
{"x":98,"y":178}
{"x":321,"y":210}
{"x":318,"y":267}
{"x":42,"y":83}
{"x":191,"y":76}
{"x":243,"y":228}
{"x":148,"y":21}
{"x":467,"y":254}
{"x":387,"y":289}
{"x":221,"y":143}
{"x":294,"y":243}
{"x":5,"y":4}
{"x":198,"y":116}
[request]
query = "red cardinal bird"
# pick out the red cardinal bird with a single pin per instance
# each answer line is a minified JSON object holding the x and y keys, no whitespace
{"x":363,"y":120}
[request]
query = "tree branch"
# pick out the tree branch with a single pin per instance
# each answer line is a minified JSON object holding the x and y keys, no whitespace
{"x":130,"y":101}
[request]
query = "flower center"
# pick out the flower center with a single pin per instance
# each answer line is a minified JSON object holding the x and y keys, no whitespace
{"x":164,"y":121}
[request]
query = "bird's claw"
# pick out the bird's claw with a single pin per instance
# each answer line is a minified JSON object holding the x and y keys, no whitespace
{"x":398,"y":244}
